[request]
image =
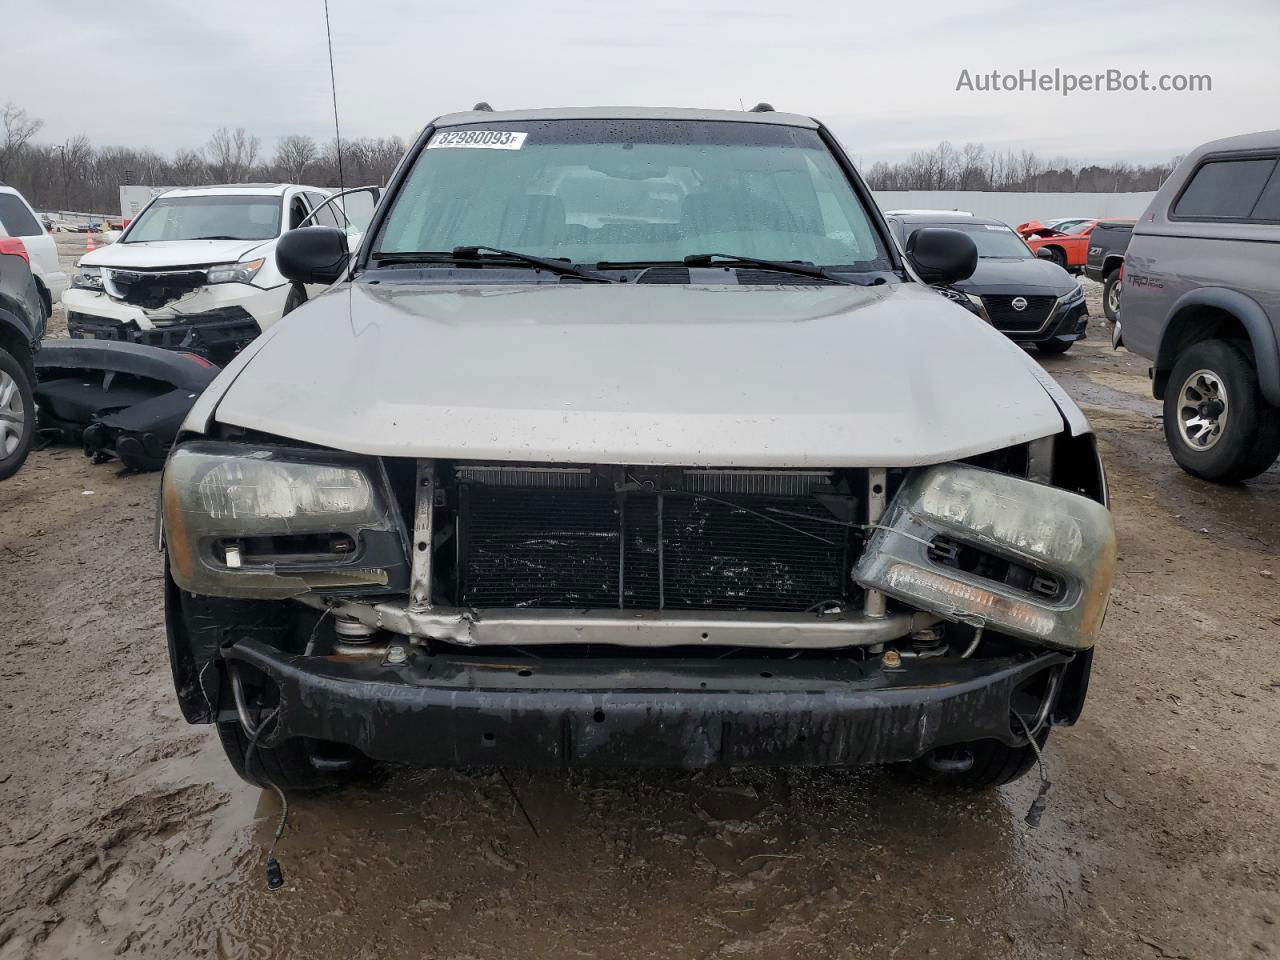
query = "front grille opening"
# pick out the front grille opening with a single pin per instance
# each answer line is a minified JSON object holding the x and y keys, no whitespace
{"x":664,"y":539}
{"x":153,"y":290}
{"x":1003,"y":314}
{"x":1040,"y":584}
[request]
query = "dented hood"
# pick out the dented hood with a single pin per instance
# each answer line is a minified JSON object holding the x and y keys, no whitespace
{"x":159,"y":254}
{"x":891,"y":375}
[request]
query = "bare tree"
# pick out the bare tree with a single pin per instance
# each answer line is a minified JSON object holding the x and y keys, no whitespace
{"x":293,"y":155}
{"x":232,"y":154}
{"x":973,"y":163}
{"x":18,"y":129}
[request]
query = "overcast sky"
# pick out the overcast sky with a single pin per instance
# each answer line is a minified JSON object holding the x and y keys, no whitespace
{"x":883,"y":75}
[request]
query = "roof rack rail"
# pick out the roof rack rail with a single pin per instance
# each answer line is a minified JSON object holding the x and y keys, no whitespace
{"x":762,"y":107}
{"x":483,"y":106}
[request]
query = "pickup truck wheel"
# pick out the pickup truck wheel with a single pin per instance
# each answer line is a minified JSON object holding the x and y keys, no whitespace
{"x":292,"y":765}
{"x":980,"y":765}
{"x":1216,"y":422}
{"x":17,"y":414}
{"x":1111,"y":296}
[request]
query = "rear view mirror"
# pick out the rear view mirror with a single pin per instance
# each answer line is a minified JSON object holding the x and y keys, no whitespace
{"x":942,"y":255}
{"x":1044,"y":253}
{"x":312,"y":255}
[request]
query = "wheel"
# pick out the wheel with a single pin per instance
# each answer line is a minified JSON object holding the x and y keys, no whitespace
{"x":1052,"y":347}
{"x":1111,"y":296}
{"x":1216,"y":422}
{"x":292,"y":765}
{"x":1058,"y":256}
{"x":17,"y":414}
{"x":980,"y":765}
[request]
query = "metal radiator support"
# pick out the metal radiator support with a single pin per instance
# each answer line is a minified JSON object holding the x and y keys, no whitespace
{"x":874,"y":605}
{"x":423,"y":531}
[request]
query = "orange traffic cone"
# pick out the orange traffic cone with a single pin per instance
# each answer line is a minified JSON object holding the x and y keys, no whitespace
{"x":89,"y":245}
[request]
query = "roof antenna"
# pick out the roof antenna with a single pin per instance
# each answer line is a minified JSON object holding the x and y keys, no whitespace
{"x":333,"y":85}
{"x":483,"y":107}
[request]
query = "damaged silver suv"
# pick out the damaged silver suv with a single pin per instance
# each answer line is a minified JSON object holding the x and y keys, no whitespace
{"x":628,"y":437}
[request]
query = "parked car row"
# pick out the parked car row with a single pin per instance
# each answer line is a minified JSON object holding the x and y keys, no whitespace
{"x":617,"y":438}
{"x":1032,"y":301}
{"x":1067,"y":242}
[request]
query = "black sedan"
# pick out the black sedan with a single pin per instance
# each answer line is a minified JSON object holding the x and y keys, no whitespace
{"x":1031,"y":300}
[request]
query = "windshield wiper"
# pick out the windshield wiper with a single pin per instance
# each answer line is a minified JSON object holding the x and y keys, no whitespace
{"x":217,"y":238}
{"x":564,"y":268}
{"x":782,"y":266}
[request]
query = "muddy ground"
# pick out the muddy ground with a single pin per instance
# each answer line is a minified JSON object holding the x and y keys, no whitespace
{"x":126,"y":834}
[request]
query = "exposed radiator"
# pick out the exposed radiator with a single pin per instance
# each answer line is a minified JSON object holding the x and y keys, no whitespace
{"x":712,"y":540}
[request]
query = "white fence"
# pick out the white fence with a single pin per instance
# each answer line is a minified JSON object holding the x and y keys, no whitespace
{"x":1015,"y":208}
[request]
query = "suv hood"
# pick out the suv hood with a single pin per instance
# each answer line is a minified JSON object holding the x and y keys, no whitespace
{"x":784,"y":376}
{"x":158,"y":254}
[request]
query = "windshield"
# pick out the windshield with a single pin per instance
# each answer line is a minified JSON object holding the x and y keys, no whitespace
{"x":632,"y":191}
{"x":204,"y":218}
{"x":1079,"y":228}
{"x":993,"y":240}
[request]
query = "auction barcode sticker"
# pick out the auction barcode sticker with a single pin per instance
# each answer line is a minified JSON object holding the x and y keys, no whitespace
{"x":479,"y":139}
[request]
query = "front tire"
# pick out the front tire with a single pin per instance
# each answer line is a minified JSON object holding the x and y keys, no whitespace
{"x":17,"y":414}
{"x":1111,"y":288}
{"x":1217,"y":424}
{"x":1059,"y":257}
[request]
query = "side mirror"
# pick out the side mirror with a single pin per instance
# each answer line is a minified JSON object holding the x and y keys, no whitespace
{"x":942,"y":255}
{"x":1044,"y":253}
{"x":312,"y":254}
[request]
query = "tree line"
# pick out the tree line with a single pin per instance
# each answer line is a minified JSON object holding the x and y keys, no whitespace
{"x":973,"y":167}
{"x":76,"y":175}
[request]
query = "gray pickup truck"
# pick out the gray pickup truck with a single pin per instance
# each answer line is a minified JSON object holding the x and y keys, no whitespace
{"x":1202,"y":302}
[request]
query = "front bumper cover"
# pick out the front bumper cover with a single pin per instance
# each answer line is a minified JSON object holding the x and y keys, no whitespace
{"x":459,"y":710}
{"x":1068,"y":326}
{"x":200,"y":333}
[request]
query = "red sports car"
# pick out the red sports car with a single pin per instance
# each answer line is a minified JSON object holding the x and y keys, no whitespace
{"x":1069,"y":248}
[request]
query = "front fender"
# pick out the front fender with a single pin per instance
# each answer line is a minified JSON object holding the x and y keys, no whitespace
{"x":1252,"y":317}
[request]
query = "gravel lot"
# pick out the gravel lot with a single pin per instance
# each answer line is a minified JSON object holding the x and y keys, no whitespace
{"x":126,"y":834}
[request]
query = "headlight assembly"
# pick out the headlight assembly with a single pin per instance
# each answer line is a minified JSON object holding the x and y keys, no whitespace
{"x":87,"y":278}
{"x":235,"y":272}
{"x":969,"y":301}
{"x":260,"y":522}
{"x":975,"y":546}
{"x":1072,"y":298}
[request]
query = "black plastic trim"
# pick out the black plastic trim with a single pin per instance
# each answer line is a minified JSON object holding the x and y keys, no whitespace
{"x":452,"y":710}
